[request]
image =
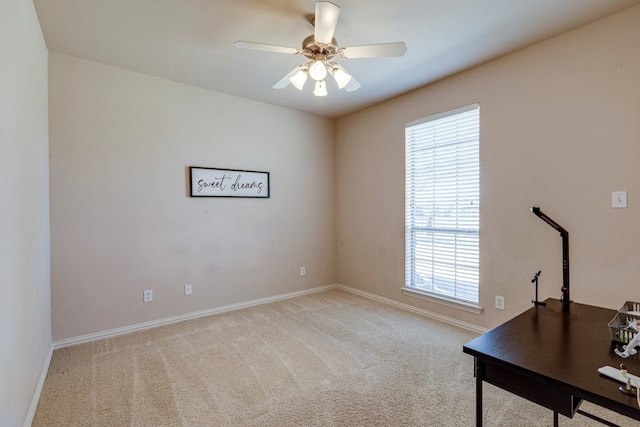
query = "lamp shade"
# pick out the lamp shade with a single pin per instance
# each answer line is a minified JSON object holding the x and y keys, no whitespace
{"x":320,"y":89}
{"x":341,"y":77}
{"x":298,"y":79}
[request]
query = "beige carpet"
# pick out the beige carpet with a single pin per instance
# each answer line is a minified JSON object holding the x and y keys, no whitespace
{"x":326,"y":359}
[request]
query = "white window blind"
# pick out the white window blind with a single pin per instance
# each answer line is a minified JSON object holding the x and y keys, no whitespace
{"x":442,"y":204}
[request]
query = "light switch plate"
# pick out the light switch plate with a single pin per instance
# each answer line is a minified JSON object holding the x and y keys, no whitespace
{"x":619,"y":199}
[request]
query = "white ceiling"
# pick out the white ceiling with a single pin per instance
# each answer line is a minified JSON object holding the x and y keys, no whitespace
{"x":191,"y":41}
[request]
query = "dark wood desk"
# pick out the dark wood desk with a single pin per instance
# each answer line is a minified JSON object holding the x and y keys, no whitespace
{"x":552,"y":358}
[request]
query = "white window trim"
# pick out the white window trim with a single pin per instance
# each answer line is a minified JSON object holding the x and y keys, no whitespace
{"x":442,"y":300}
{"x":425,"y":294}
{"x":444,"y":114}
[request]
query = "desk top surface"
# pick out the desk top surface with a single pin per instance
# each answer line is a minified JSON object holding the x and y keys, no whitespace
{"x":565,"y":349}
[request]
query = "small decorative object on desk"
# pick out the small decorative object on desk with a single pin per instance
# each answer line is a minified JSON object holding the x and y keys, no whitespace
{"x":535,"y":280}
{"x":624,"y":328}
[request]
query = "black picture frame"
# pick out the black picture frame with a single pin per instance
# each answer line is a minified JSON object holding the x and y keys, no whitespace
{"x":216,"y":182}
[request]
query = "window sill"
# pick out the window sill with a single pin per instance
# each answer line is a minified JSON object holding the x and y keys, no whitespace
{"x":438,"y":299}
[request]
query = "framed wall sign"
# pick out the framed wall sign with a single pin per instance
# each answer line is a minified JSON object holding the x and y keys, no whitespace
{"x":213,"y":182}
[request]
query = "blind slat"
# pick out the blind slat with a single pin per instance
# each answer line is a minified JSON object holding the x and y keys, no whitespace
{"x":443,"y":203}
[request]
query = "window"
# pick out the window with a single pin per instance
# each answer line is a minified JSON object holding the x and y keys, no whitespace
{"x":442,"y":205}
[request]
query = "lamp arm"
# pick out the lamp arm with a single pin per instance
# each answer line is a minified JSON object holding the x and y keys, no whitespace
{"x":565,"y":255}
{"x":548,"y":220}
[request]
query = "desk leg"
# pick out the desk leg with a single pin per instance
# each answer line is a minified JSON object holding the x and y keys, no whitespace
{"x":555,"y":419}
{"x":479,"y":376}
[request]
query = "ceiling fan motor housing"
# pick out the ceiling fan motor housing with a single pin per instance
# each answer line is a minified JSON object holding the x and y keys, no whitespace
{"x":311,"y":49}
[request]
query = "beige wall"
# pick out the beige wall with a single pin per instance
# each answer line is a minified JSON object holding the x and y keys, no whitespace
{"x":560,"y":129}
{"x":25,"y":299}
{"x":121,"y":219}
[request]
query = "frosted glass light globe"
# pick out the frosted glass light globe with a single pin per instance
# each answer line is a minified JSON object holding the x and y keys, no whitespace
{"x":318,"y":71}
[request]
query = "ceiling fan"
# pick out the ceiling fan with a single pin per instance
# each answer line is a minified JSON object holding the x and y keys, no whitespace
{"x":320,"y":48}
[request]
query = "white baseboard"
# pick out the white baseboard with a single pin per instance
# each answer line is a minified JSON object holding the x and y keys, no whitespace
{"x":175,"y":319}
{"x":28,"y":420}
{"x":180,"y":318}
{"x":426,"y":313}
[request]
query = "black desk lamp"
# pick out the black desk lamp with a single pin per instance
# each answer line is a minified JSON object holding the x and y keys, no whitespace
{"x":566,"y":300}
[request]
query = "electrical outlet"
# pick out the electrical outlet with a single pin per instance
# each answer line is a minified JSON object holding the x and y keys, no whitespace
{"x":187,"y":289}
{"x":303,"y":271}
{"x":499,"y":302}
{"x":147,"y":295}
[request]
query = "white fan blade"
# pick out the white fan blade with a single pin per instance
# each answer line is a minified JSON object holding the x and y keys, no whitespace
{"x":266,"y":47}
{"x":326,"y":19}
{"x":284,"y":82}
{"x":373,"y":50}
